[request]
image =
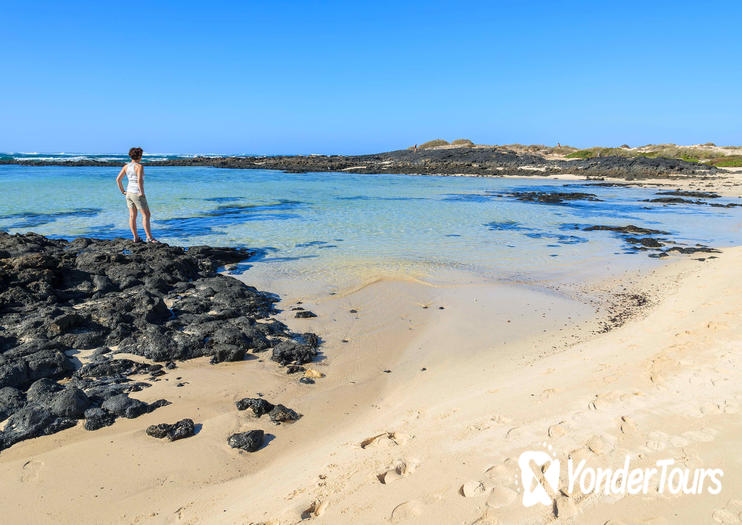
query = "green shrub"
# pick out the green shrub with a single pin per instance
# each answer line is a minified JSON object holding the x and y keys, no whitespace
{"x":731,"y":161}
{"x":462,"y":142}
{"x":582,"y":154}
{"x":433,"y":143}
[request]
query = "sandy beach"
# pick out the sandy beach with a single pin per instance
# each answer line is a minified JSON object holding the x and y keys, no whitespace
{"x":435,"y":390}
{"x":347,"y":263}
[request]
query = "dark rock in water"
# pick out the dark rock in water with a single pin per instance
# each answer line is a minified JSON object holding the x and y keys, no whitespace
{"x":727,"y":205}
{"x":11,"y":399}
{"x":305,"y":314}
{"x":182,"y":429}
{"x":258,"y":405}
{"x":96,"y":418}
{"x":674,"y":200}
{"x":306,"y":380}
{"x":629,"y":229}
{"x":692,"y":249}
{"x":293,"y":369}
{"x":249,"y":441}
{"x":287,"y":352}
{"x":553,"y":197}
{"x":647,"y":242}
{"x":170,"y":365}
{"x":157,"y":301}
{"x":693,"y":194}
{"x":70,"y":402}
{"x":281,"y":414}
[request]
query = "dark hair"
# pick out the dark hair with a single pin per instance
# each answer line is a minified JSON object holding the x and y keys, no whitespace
{"x":136,"y":153}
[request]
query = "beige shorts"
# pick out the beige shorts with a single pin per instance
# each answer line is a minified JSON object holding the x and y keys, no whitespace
{"x":134,"y":200}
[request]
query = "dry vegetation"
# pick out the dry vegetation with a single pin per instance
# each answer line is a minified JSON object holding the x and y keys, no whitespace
{"x":708,"y":153}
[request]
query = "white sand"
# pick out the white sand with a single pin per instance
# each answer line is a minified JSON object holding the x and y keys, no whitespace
{"x":666,"y":385}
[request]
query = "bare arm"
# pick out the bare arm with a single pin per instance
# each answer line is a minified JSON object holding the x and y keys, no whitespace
{"x":118,"y":179}
{"x":140,"y":179}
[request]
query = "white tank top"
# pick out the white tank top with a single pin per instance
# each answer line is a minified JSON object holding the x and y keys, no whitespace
{"x":131,"y":175}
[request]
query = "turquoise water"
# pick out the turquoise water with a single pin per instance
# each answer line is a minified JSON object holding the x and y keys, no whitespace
{"x":338,"y":228}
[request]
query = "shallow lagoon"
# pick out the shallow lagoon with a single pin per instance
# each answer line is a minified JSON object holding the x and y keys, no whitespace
{"x":343,"y":229}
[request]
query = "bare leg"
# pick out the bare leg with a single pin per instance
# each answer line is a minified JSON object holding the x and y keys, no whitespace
{"x":145,"y":220}
{"x":133,"y":222}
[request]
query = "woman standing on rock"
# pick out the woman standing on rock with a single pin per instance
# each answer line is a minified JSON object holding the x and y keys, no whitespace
{"x":135,"y":198}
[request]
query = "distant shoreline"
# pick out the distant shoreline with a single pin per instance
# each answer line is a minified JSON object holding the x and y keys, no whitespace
{"x":478,"y":161}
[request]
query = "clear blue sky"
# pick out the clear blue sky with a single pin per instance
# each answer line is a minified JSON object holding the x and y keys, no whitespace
{"x":323,"y":77}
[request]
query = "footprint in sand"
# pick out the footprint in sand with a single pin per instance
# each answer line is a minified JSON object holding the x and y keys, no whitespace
{"x":627,"y":425}
{"x":386,"y":439}
{"x":514,"y":433}
{"x":565,"y":507}
{"x":401,"y":469}
{"x":500,"y":497}
{"x":599,"y":445}
{"x":601,"y":401}
{"x":407,"y":510}
{"x":710,"y":409}
{"x":678,"y":442}
{"x":30,"y":470}
{"x":504,"y":472}
{"x":472,"y":489}
{"x":703,"y":435}
{"x":486,"y":519}
{"x":558,"y":430}
{"x":724,"y":516}
{"x":657,"y":440}
{"x":315,"y":510}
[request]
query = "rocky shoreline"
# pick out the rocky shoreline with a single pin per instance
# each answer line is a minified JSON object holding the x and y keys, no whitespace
{"x":479,"y":161}
{"x":63,"y":299}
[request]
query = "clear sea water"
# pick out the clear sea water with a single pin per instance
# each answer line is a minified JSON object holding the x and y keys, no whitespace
{"x":337,"y":229}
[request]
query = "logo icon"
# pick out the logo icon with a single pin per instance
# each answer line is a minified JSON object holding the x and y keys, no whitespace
{"x":538,"y":469}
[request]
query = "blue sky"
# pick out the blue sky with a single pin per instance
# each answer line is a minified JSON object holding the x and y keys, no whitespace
{"x":352,"y":77}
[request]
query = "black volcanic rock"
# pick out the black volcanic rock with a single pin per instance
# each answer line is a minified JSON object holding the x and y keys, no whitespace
{"x":553,"y":197}
{"x":288,"y":352}
{"x":248,"y":441}
{"x":96,"y":418}
{"x":11,"y":399}
{"x":258,"y":405}
{"x":629,"y":229}
{"x":70,"y":402}
{"x":33,"y":421}
{"x":480,"y":160}
{"x":282,"y":414}
{"x":157,"y":301}
{"x":124,"y":406}
{"x":180,"y":430}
